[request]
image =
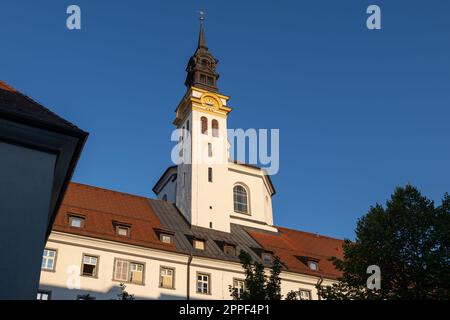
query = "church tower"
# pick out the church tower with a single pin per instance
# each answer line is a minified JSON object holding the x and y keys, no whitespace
{"x":202,"y":118}
{"x":208,"y":188}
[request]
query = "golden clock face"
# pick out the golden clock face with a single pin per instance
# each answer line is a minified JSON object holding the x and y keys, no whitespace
{"x":210,"y":103}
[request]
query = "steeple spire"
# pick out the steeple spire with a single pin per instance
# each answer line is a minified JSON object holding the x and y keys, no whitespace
{"x":201,"y":36}
{"x":201,"y":67}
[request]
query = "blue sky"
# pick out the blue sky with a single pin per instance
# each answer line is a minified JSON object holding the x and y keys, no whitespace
{"x":359,"y":111}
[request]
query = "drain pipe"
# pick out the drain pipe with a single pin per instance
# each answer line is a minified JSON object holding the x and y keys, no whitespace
{"x":188,"y":282}
{"x":319,"y":284}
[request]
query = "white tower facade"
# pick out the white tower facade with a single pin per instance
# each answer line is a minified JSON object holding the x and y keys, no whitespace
{"x":202,"y":177}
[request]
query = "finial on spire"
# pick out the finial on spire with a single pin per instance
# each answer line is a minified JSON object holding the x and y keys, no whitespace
{"x":202,"y":15}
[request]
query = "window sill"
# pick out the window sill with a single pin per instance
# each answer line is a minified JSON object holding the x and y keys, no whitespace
{"x":160,"y":287}
{"x":244,"y":213}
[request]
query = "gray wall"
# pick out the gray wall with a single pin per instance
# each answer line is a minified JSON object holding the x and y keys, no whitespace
{"x":26,"y":178}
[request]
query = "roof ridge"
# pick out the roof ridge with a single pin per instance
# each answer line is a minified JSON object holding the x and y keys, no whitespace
{"x":109,"y":190}
{"x":309,"y":233}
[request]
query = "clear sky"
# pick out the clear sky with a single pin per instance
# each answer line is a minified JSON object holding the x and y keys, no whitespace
{"x":359,"y":111}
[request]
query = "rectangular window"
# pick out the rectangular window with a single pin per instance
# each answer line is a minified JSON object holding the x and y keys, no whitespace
{"x":127,"y":271}
{"x":48,"y":260}
{"x":166,"y":278}
{"x":199,"y":244}
{"x":203,"y":283}
{"x":89,"y":267}
{"x":239,"y":286}
{"x":210,"y":150}
{"x":43,"y":295}
{"x":166,"y":238}
{"x":76,"y":222}
{"x":123,"y":231}
{"x":210,"y":175}
{"x":203,"y":78}
{"x":210,"y":81}
{"x":136,"y":273}
{"x":304,"y":294}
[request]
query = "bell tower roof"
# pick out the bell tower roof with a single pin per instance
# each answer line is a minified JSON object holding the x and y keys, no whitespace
{"x":201,"y":68}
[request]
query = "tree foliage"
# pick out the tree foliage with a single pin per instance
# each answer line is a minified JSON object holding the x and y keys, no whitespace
{"x":259,"y":286}
{"x":124,"y":295}
{"x":409,"y":240}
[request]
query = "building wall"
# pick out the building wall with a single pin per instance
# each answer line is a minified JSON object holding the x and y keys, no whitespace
{"x":209,"y":201}
{"x":26,"y":179}
{"x":70,"y":249}
{"x":184,"y":171}
{"x":260,"y":200}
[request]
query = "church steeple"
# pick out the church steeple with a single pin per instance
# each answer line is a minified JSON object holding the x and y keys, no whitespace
{"x":201,"y":68}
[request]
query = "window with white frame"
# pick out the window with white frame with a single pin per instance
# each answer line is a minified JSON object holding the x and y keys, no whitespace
{"x":239,"y":286}
{"x":76,"y":222}
{"x":313,"y":265}
{"x":240,"y":198}
{"x":136,"y":273}
{"x":165,"y":238}
{"x":48,"y":260}
{"x":166,"y":278}
{"x":127,"y":271}
{"x":89,"y":266}
{"x":122,"y":230}
{"x":203,"y":283}
{"x":199,"y":244}
{"x":304,"y":294}
{"x":43,"y":295}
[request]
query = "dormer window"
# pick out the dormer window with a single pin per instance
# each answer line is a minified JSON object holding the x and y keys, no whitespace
{"x":199,"y":244}
{"x":76,"y":221}
{"x":122,"y":230}
{"x":313,"y":265}
{"x":267,"y":257}
{"x":165,"y":238}
{"x":229,"y":249}
{"x":310,"y":262}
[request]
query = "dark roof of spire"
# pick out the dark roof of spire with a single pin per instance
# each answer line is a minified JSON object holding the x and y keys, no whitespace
{"x":201,"y":36}
{"x":201,"y":67}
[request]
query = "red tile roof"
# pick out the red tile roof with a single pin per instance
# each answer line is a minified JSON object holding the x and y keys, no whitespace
{"x":295,"y":247}
{"x":101,"y":207}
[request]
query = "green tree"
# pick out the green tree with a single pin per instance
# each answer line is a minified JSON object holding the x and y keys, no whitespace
{"x":257,"y":285}
{"x":408,"y":240}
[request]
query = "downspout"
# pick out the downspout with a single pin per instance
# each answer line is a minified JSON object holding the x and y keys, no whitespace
{"x":188,"y":277}
{"x":319,"y":283}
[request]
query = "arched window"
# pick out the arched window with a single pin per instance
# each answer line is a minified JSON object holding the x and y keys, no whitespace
{"x":204,"y":125}
{"x":215,"y":128}
{"x":240,"y":198}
